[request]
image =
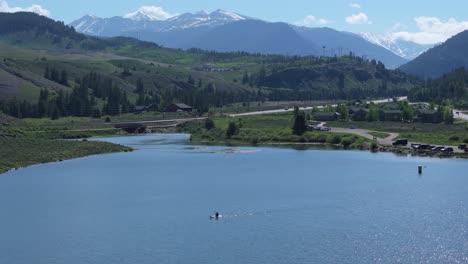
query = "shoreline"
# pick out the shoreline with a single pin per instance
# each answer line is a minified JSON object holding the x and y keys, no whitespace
{"x":327,"y":146}
{"x":117,"y":148}
{"x":22,"y":152}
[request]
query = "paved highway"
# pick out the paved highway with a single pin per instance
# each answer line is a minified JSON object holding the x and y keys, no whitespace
{"x":308,"y":108}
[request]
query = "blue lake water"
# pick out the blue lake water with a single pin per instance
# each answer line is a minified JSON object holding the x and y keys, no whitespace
{"x":280,"y":206}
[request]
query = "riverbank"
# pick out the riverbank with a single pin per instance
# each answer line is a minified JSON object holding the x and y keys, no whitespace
{"x":275,"y":130}
{"x":21,"y":151}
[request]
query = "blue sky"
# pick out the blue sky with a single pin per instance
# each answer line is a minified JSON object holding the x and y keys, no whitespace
{"x":417,"y":20}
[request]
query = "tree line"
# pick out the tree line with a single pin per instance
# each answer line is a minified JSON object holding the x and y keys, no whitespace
{"x":451,"y":86}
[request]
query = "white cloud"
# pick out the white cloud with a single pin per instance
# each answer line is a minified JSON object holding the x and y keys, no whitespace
{"x":311,"y":20}
{"x":355,"y":5}
{"x":358,"y":19}
{"x":432,"y":30}
{"x":4,"y":7}
{"x":150,"y":12}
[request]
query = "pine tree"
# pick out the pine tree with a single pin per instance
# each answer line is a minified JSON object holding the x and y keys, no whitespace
{"x":299,"y":126}
{"x":232,"y":130}
{"x":47,"y":72}
{"x":64,"y":78}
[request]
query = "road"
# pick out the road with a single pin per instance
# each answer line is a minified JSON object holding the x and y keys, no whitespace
{"x":363,"y":133}
{"x":182,"y":120}
{"x":366,"y":133}
{"x":277,"y":111}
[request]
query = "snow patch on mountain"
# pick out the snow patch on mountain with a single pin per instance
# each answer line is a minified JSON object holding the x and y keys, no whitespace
{"x":405,"y":49}
{"x":149,"y":13}
{"x":85,"y":24}
{"x":154,"y":19}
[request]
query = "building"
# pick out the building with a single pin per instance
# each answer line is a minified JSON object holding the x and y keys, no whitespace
{"x":326,"y":116}
{"x":425,"y":115}
{"x":142,"y":108}
{"x":179,"y":108}
{"x":390,"y":115}
{"x":358,"y":113}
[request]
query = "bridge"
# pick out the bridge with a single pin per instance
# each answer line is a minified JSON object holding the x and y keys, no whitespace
{"x":132,"y":128}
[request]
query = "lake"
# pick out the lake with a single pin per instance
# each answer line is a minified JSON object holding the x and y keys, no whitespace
{"x":279,"y":205}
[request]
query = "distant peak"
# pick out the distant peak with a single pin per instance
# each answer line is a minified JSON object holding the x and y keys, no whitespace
{"x":91,"y":16}
{"x":202,"y":13}
{"x":227,"y":14}
{"x":151,"y":13}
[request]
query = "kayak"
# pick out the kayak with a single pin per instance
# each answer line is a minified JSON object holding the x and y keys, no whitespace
{"x":214,"y":216}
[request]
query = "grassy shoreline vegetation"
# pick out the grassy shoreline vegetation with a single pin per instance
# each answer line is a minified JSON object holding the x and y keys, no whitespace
{"x":25,"y":151}
{"x":275,"y":129}
{"x":22,"y":146}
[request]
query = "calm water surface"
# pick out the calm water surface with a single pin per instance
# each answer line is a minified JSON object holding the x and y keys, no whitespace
{"x":280,"y":206}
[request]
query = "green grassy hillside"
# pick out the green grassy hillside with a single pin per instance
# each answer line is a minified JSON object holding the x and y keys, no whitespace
{"x":112,"y":75}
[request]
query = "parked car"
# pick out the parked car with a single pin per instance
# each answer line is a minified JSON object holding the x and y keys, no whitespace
{"x":466,"y":150}
{"x":425,"y":147}
{"x":437,"y":148}
{"x":352,"y":127}
{"x":415,"y":146}
{"x":447,"y":150}
{"x":400,"y":142}
{"x":326,"y":129}
{"x":462,"y":147}
{"x":314,"y":128}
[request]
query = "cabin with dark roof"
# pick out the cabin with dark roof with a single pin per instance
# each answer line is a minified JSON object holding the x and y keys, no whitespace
{"x":326,"y":116}
{"x":390,"y":115}
{"x":179,"y":108}
{"x":425,"y":115}
{"x":358,"y":113}
{"x":142,"y":108}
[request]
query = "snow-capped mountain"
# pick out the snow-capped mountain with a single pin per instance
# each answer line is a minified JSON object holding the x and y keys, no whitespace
{"x":405,"y":49}
{"x":202,"y":19}
{"x":149,"y":13}
{"x":227,"y":31}
{"x":151,"y":20}
{"x":85,"y":24}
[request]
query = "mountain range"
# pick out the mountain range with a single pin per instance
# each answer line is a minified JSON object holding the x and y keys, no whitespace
{"x":219,"y":29}
{"x":39,"y":54}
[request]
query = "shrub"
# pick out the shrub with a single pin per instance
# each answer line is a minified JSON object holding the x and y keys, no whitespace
{"x":454,"y":138}
{"x":311,"y":138}
{"x":232,"y":130}
{"x":209,"y":124}
{"x":374,"y":146}
{"x":346,"y":142}
{"x":465,"y":140}
{"x":254,"y":141}
{"x":321,"y":138}
{"x":276,"y":138}
{"x":334,"y":139}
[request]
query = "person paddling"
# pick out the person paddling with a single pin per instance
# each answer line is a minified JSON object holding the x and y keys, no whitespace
{"x":217,"y":215}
